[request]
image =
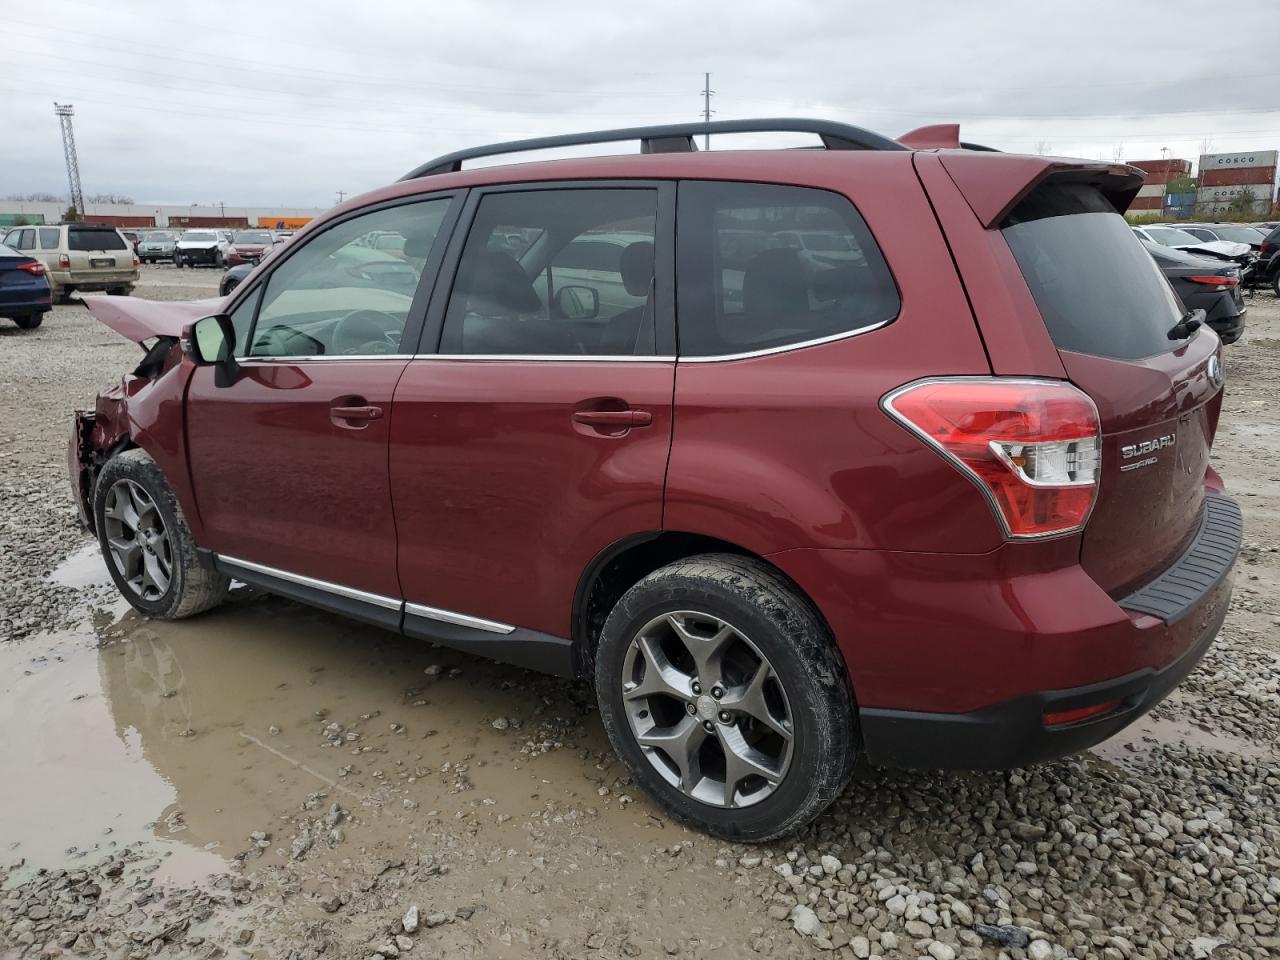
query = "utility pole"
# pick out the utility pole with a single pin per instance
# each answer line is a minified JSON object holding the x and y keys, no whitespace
{"x":341,"y":195}
{"x":222,"y":206}
{"x":706,"y":108}
{"x":65,"y":112}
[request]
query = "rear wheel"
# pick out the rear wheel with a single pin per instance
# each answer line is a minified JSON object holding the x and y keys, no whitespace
{"x":725,"y":696}
{"x":30,"y":321}
{"x":119,"y":291}
{"x":1275,"y":283}
{"x":147,"y":544}
{"x":177,"y":261}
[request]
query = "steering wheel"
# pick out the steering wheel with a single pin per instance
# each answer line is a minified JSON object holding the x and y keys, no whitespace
{"x":366,"y":331}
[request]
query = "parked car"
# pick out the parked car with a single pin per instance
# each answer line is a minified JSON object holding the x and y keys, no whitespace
{"x":157,"y":245}
{"x":133,"y":237}
{"x":196,"y":247}
{"x":25,"y":295}
{"x":1205,"y":243}
{"x":1208,"y":285}
{"x":248,"y":246}
{"x":233,"y":275}
{"x":79,"y":256}
{"x":1226,"y":232}
{"x":918,"y":510}
{"x":1269,"y":259}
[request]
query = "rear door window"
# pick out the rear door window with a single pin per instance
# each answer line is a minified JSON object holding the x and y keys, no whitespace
{"x":49,"y":238}
{"x":1097,"y":289}
{"x":81,"y":239}
{"x":763,"y":266}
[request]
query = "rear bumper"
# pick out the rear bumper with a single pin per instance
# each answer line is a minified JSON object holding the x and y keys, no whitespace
{"x":970,"y":689}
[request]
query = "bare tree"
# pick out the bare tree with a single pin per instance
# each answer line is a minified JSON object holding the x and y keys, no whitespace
{"x":1044,"y":147}
{"x":1117,"y":152}
{"x":1206,"y":146}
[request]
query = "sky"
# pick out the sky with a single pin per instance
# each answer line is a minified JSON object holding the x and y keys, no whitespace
{"x":287,"y":102}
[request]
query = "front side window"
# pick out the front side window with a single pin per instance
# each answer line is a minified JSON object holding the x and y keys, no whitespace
{"x":336,"y":296}
{"x":26,"y":239}
{"x":557,"y":272}
{"x":763,"y":266}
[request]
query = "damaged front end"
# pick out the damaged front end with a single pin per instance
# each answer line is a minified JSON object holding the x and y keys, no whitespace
{"x":144,"y":408}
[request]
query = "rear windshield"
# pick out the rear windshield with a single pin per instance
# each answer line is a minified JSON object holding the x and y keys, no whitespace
{"x":79,"y":238}
{"x":1239,"y":234}
{"x":1097,"y":288}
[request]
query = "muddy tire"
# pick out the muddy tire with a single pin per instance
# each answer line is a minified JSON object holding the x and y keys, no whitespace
{"x":726,"y":697}
{"x":147,"y":544}
{"x":30,"y":321}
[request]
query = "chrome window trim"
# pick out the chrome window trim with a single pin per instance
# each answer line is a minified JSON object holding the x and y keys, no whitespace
{"x":459,"y":619}
{"x":354,"y":356}
{"x":555,"y":357}
{"x":787,"y":347}
{"x":351,"y":593}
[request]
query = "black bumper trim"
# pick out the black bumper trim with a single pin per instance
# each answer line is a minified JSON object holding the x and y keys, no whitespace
{"x":1209,"y":558}
{"x":1012,"y":734}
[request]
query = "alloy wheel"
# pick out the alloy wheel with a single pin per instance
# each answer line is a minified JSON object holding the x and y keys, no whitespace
{"x":140,"y":545}
{"x":707,"y":709}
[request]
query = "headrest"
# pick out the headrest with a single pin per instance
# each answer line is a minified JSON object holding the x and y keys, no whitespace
{"x":497,"y":277}
{"x":636,"y":267}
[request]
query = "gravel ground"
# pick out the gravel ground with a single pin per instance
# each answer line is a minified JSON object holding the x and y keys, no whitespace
{"x":269,"y":781}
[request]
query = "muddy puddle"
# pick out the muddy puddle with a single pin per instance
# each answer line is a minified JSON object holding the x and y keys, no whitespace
{"x":193,"y":735}
{"x":1134,"y":743}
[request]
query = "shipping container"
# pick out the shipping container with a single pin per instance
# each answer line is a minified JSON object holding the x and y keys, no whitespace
{"x":21,"y":219}
{"x":1228,"y":161}
{"x":119,"y":221}
{"x":1151,"y":190}
{"x":1260,"y":191}
{"x":1162,"y":171}
{"x":1237,"y":176}
{"x":1154,"y":204}
{"x":283,"y":223}
{"x":231,"y":223}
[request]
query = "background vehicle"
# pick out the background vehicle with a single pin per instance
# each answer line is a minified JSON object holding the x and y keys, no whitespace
{"x":132,"y":236}
{"x":79,"y":256}
{"x":248,"y":246}
{"x":946,"y":504}
{"x":25,"y":296}
{"x":1226,"y":232}
{"x":1207,"y":285}
{"x":1269,"y":259}
{"x":233,"y":275}
{"x":157,"y":245}
{"x":1180,"y":239}
{"x":196,"y":247}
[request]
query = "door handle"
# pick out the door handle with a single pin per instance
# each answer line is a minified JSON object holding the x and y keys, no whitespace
{"x":614,"y":418}
{"x":354,"y":415}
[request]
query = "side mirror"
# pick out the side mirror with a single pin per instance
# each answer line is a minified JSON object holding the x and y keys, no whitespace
{"x":212,"y":343}
{"x":578,"y":303}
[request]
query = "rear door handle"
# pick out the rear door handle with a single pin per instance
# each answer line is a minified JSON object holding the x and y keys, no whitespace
{"x":614,"y":418}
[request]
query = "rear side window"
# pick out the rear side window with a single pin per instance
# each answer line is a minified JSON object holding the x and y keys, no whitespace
{"x":49,"y":238}
{"x":1098,"y":290}
{"x":764,"y":266}
{"x":81,"y":239}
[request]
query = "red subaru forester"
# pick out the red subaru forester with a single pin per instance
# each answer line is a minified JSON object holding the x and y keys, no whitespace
{"x":895,"y":449}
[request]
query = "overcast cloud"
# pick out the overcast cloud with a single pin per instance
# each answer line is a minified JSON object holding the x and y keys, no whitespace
{"x":288,"y":101}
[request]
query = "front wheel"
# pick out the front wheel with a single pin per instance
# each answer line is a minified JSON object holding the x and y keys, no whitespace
{"x":147,"y":544}
{"x":30,"y":321}
{"x":177,"y":261}
{"x":1275,"y":283}
{"x":723,"y":692}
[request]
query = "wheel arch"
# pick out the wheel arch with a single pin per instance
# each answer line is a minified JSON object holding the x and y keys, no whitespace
{"x":623,"y":563}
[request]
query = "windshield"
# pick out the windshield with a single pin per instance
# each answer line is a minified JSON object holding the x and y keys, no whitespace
{"x":1171,"y":237}
{"x":161,"y":236}
{"x":198,"y":236}
{"x":253,"y":237}
{"x":1097,"y":289}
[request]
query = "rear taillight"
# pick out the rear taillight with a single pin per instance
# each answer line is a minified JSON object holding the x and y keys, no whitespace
{"x":1218,"y":283}
{"x":35,"y":268}
{"x":1032,"y":446}
{"x":136,"y":261}
{"x":64,"y":262}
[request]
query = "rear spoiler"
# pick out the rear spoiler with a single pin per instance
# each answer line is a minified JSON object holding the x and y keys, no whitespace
{"x":994,"y":183}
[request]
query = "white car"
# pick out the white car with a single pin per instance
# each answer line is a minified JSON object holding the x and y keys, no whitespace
{"x":208,"y":247}
{"x":1168,"y":236}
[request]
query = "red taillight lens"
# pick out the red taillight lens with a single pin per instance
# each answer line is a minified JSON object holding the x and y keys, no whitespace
{"x":64,"y":262}
{"x":1032,"y":446}
{"x":136,"y":261}
{"x":1059,"y":718}
{"x":1218,"y":283}
{"x":35,"y":268}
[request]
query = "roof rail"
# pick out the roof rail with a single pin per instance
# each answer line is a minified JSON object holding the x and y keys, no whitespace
{"x":669,"y":138}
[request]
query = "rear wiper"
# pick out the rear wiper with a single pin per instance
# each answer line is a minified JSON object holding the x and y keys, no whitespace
{"x":1191,"y":322}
